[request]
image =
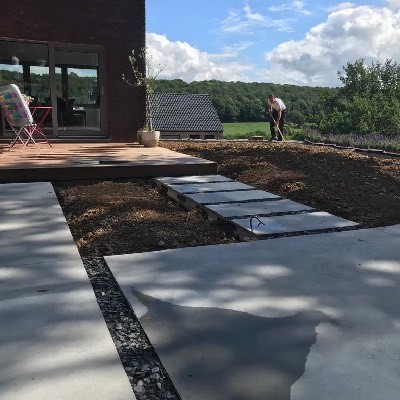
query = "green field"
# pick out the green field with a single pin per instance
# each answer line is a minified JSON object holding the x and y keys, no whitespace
{"x":242,"y":130}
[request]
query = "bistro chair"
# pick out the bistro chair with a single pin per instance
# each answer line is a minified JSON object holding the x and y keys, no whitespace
{"x":19,"y":117}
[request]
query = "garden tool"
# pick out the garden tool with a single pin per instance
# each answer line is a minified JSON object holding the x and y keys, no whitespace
{"x":278,"y":132}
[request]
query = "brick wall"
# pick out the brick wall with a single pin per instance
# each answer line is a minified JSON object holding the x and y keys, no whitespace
{"x":118,"y":26}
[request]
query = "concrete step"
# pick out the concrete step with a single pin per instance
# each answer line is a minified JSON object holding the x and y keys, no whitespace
{"x":312,"y":222}
{"x":254,"y":214}
{"x":261,"y":208}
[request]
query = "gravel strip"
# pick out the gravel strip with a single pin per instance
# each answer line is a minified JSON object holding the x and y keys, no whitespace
{"x":148,"y":378}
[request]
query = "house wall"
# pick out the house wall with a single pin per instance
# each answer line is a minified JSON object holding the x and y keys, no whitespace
{"x":191,"y":135}
{"x":118,"y":26}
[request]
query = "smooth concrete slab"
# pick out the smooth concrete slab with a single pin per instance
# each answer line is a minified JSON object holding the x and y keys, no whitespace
{"x":292,"y":223}
{"x":168,"y":180}
{"x":394,"y":229}
{"x":302,"y":318}
{"x":210,"y":187}
{"x":32,"y":225}
{"x":257,"y":208}
{"x":54,"y":343}
{"x":226,"y":197}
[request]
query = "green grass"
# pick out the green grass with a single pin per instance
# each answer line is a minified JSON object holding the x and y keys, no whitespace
{"x":242,"y":130}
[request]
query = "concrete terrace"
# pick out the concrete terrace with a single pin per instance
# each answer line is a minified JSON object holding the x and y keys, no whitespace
{"x":54,"y":343}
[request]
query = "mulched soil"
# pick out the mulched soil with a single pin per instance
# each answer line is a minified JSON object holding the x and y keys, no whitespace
{"x":120,"y":217}
{"x":131,"y":216}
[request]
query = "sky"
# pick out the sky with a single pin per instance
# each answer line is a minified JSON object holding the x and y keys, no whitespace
{"x":300,"y":42}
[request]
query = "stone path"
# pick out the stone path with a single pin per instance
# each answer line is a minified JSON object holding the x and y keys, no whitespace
{"x":254,"y":214}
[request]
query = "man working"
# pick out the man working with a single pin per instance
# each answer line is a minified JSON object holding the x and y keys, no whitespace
{"x":277,"y":112}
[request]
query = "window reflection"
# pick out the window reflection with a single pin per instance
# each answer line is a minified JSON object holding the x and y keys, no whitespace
{"x":26,"y":65}
{"x":78,"y":96}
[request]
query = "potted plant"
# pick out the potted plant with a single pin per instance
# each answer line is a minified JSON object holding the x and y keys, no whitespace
{"x":145,"y":79}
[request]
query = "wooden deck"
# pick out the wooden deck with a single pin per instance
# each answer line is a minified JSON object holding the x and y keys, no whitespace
{"x":96,"y":161}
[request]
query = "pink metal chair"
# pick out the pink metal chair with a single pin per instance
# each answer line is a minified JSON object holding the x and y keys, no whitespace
{"x":19,"y":117}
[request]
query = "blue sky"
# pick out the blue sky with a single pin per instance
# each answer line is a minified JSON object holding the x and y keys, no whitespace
{"x":302,"y":42}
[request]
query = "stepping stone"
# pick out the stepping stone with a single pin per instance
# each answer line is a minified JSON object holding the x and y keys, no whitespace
{"x":231,"y":197}
{"x":210,"y":187}
{"x":256,"y":208}
{"x":171,"y":180}
{"x":319,"y":220}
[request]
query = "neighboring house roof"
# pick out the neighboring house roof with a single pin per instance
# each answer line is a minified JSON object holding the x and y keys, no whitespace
{"x":183,"y":112}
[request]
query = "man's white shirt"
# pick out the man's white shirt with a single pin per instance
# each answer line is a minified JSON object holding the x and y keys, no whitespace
{"x":278,"y":104}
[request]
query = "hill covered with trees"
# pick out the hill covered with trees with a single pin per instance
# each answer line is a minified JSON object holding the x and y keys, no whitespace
{"x":367,"y":103}
{"x":244,"y":102}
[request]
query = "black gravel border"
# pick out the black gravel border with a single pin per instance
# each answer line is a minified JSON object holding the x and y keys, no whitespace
{"x":355,"y":149}
{"x":146,"y":374}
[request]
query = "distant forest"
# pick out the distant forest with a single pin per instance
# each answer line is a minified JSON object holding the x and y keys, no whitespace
{"x":368,"y":102}
{"x":248,"y":102}
{"x":79,"y":87}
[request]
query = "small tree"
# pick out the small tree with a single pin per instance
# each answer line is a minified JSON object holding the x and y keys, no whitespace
{"x":145,"y":75}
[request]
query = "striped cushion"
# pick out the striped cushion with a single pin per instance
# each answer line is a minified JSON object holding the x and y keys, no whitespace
{"x":14,"y":106}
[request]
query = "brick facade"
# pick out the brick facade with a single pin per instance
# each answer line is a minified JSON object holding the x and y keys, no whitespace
{"x":118,"y":26}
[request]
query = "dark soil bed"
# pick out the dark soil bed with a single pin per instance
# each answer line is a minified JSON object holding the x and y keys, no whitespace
{"x":120,"y":217}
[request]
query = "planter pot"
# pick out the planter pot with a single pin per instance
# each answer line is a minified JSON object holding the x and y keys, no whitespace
{"x":139,"y":137}
{"x":150,"y":138}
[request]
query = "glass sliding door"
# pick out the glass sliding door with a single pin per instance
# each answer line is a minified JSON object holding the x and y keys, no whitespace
{"x":63,"y":77}
{"x":77,"y":92}
{"x":27,"y":66}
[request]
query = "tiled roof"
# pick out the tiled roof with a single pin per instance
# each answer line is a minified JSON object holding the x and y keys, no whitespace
{"x":182,"y":112}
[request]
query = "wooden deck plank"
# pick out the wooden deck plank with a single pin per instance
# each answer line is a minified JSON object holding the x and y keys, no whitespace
{"x":66,"y":161}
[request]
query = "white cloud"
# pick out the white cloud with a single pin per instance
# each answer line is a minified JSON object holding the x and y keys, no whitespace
{"x":341,"y":6}
{"x":182,"y":61}
{"x":253,"y":16}
{"x":348,"y":34}
{"x":393,"y":4}
{"x":232,"y":51}
{"x":295,"y":5}
{"x":247,"y":22}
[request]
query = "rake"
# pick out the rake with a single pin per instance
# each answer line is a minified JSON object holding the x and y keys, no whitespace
{"x":278,"y":132}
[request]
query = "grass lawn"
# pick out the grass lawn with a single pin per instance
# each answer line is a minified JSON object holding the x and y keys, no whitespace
{"x":242,"y":130}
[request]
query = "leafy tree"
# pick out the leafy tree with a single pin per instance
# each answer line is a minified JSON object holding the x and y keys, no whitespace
{"x":367,"y":103}
{"x":297,"y":117}
{"x":239,"y":101}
